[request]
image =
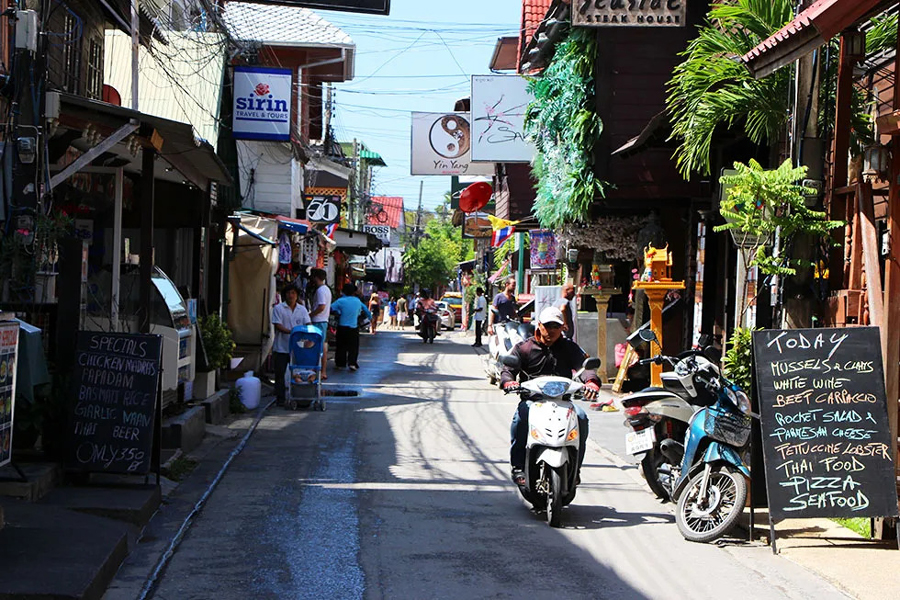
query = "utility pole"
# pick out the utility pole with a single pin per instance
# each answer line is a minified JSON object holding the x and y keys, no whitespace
{"x":354,"y":184}
{"x":26,"y":108}
{"x":418,"y":231}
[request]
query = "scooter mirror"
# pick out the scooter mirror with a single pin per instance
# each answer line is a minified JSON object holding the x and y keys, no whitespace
{"x":648,"y":335}
{"x":510,"y":361}
{"x":591,"y":364}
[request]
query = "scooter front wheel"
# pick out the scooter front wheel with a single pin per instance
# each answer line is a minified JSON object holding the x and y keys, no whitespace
{"x":554,"y":498}
{"x":707,"y":518}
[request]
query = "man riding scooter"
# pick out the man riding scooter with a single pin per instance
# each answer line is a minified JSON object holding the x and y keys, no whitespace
{"x":548,"y":352}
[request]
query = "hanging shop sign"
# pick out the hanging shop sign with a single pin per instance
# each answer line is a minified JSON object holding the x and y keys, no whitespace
{"x":543,"y":249}
{"x":498,"y":119}
{"x":262,"y":104}
{"x":372,"y":7}
{"x":629,"y":13}
{"x":442,"y":144}
{"x":476,"y":226}
{"x":9,"y":343}
{"x":323,"y":209}
{"x":382,"y":232}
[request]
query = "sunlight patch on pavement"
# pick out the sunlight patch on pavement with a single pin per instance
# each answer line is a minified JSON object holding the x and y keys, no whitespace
{"x":408,"y":486}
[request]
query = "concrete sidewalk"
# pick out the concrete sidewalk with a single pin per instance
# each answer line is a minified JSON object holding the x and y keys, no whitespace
{"x":863,"y":568}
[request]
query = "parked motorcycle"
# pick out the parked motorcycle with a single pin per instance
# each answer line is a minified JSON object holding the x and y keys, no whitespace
{"x":656,"y":414}
{"x":501,"y":342}
{"x":551,"y":452}
{"x":710,"y":483}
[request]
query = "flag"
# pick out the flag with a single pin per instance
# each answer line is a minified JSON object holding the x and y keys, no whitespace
{"x":501,"y":235}
{"x":498,"y":223}
{"x":330,"y":229}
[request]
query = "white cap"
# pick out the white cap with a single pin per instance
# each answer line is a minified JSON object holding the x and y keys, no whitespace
{"x":551,"y":314}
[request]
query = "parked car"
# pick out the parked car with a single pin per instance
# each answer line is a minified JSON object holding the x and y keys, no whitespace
{"x":454,"y":299}
{"x":445,"y":312}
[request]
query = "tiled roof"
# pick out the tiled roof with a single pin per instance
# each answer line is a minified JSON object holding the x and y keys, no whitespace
{"x":277,"y":25}
{"x":533,"y":12}
{"x":816,"y":25}
{"x":389,"y":211}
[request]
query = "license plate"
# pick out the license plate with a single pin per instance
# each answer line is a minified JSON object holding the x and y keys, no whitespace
{"x":637,"y":442}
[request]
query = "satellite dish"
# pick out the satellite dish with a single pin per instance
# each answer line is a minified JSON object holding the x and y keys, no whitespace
{"x":475,"y":197}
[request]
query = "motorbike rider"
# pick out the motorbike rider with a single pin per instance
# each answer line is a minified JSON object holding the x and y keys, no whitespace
{"x":425,"y":303}
{"x":503,"y":306}
{"x":548,"y":352}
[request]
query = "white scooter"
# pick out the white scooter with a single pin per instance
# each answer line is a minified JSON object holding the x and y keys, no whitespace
{"x":500,"y":343}
{"x":551,"y":450}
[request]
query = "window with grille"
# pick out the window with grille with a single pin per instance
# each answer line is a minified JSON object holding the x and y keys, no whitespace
{"x":95,"y":71}
{"x":71,"y":52}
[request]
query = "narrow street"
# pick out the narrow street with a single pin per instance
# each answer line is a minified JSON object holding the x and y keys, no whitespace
{"x":403,"y":492}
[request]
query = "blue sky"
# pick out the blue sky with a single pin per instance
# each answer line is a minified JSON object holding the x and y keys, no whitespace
{"x":420,"y":58}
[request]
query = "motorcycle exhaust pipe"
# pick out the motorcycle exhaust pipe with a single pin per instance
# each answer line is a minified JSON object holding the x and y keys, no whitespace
{"x":673,"y":451}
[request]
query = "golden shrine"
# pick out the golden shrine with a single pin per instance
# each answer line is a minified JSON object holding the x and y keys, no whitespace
{"x":656,"y":281}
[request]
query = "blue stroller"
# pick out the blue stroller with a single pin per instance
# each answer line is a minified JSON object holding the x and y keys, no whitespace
{"x":303,"y":375}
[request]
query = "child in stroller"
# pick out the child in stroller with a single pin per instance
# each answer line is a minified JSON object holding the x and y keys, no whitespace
{"x":304,"y":372}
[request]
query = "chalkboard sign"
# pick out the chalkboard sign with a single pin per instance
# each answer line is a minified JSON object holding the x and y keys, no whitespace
{"x":825,"y":430}
{"x":114,"y":408}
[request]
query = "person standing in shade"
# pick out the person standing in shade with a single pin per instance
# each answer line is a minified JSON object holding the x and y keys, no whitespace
{"x":285,"y":317}
{"x":348,"y":308}
{"x":321,"y":311}
{"x":478,"y":310}
{"x":504,"y":305}
{"x":402,"y":313}
{"x":564,"y":304}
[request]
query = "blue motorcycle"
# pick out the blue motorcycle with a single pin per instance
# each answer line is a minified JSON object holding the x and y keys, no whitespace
{"x":710,"y":485}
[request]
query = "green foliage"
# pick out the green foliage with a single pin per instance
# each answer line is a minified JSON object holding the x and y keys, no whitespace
{"x":712,"y":89}
{"x":737,"y":363}
{"x":217,"y":342}
{"x":564,"y":127}
{"x":234,"y":402}
{"x":433,"y":262}
{"x":23,"y":254}
{"x":762,"y":201}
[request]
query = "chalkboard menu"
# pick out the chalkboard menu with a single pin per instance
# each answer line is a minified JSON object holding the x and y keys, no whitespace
{"x":9,"y":340}
{"x":114,"y":408}
{"x":825,"y":430}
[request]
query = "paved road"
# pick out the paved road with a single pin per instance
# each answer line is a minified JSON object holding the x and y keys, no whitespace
{"x":403,"y":493}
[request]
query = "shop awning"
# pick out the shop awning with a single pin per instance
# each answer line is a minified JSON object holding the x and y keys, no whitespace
{"x":809,"y":30}
{"x":195,"y":159}
{"x":295,"y":225}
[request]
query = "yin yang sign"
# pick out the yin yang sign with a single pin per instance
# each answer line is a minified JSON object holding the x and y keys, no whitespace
{"x":450,"y":136}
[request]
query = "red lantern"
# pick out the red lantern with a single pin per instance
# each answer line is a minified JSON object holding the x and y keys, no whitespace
{"x":475,"y":197}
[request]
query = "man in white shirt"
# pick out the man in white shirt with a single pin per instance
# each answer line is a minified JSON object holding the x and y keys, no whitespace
{"x":478,"y":310}
{"x":321,"y":311}
{"x":285,"y":317}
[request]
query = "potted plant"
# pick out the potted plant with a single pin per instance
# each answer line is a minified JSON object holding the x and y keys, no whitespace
{"x":216,"y":349}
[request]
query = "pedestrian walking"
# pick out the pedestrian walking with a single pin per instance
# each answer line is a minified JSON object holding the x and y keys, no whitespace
{"x":392,"y":312}
{"x":348,"y":308}
{"x":321,"y":311}
{"x":564,"y":304}
{"x":478,"y":314}
{"x":402,"y":313}
{"x":285,"y":316}
{"x":374,"y":310}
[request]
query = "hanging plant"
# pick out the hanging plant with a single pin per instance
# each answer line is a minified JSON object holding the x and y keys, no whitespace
{"x":615,"y":237}
{"x":564,"y":127}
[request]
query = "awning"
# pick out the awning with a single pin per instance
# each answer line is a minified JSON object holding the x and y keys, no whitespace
{"x":194,"y":158}
{"x":656,"y":130}
{"x":295,"y":225}
{"x":351,"y":241}
{"x":373,"y":158}
{"x":809,"y":30}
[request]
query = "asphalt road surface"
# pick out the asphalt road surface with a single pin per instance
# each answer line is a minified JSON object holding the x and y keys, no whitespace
{"x":404,"y":492}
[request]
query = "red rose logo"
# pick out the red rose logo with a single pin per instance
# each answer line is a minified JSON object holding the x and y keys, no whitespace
{"x":261,"y":89}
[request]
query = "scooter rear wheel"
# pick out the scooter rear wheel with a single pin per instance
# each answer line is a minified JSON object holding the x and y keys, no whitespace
{"x":707,"y":519}
{"x":650,"y":469}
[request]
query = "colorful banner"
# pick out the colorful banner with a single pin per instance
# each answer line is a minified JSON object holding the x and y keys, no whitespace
{"x":543,"y":249}
{"x":9,"y":342}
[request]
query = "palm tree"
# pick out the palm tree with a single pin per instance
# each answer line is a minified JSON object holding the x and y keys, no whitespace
{"x":712,"y":88}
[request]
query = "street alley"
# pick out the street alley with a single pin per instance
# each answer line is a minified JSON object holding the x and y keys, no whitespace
{"x":403,"y":492}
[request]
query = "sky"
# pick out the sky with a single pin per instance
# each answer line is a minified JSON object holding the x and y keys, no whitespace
{"x":420,"y":58}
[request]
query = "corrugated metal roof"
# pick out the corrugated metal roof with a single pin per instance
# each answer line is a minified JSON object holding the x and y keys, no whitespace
{"x":180,"y":81}
{"x":809,"y":29}
{"x":282,"y":26}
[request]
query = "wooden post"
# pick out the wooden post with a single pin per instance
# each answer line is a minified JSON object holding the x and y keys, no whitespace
{"x":602,"y":297}
{"x":146,"y":268}
{"x":838,"y":202}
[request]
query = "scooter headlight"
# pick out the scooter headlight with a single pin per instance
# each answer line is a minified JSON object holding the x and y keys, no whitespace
{"x":554,"y":389}
{"x":740,"y":399}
